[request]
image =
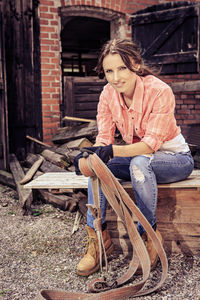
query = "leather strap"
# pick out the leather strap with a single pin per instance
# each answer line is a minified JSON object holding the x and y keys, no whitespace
{"x":125,"y":209}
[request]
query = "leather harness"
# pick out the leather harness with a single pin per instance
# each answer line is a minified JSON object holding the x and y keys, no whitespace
{"x":93,"y":167}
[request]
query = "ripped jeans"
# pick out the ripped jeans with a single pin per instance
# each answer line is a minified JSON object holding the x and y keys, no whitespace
{"x":145,"y":171}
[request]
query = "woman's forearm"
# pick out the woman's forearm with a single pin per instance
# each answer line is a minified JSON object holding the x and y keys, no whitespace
{"x":132,"y":149}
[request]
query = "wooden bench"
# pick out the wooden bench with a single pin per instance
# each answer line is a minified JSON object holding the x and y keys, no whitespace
{"x":178,"y":210}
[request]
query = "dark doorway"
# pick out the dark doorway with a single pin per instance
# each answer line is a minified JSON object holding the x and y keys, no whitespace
{"x":81,"y":39}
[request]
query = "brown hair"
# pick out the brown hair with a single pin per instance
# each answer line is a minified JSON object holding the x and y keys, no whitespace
{"x":128,"y":50}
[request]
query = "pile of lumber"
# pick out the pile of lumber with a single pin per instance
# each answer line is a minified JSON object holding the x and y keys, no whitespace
{"x":58,"y":157}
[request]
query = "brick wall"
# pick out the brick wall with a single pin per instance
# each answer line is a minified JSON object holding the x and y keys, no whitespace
{"x":187,"y":110}
{"x":187,"y":104}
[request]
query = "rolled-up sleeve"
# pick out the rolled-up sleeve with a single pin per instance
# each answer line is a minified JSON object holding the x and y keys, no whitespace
{"x":161,"y":123}
{"x":105,"y":123}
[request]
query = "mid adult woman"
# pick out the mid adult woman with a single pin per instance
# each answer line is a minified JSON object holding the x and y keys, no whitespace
{"x":141,"y":106}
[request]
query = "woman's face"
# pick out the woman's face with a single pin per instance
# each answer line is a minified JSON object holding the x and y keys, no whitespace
{"x":118,"y":75}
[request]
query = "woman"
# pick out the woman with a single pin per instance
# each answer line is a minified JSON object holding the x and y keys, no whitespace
{"x":141,"y":106}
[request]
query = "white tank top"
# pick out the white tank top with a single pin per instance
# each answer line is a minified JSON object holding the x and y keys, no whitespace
{"x":177,"y":144}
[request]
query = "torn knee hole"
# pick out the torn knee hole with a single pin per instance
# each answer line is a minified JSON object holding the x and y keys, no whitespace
{"x":139,"y":176}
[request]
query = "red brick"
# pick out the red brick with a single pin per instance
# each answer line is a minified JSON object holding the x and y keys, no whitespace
{"x":48,"y":54}
{"x":46,"y":42}
{"x":54,"y":23}
{"x":189,"y":121}
{"x":54,"y":36}
{"x":46,"y":2}
{"x":55,"y":96}
{"x":45,"y":48}
{"x":48,"y":90}
{"x":43,"y":8}
{"x":55,"y":61}
{"x":44,"y":22}
{"x":46,"y":96}
{"x":44,"y":35}
{"x":56,"y":72}
{"x":46,"y":84}
{"x":56,"y":108}
{"x":46,"y":130}
{"x":46,"y":16}
{"x":44,"y":73}
{"x":46,"y":107}
{"x":183,"y":111}
{"x":54,"y":10}
{"x":48,"y":66}
{"x":50,"y":102}
{"x":56,"y":84}
{"x":47,"y":29}
{"x":55,"y":48}
{"x":48,"y":78}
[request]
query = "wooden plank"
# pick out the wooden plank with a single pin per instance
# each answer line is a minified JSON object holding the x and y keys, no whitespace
{"x":6,"y":178}
{"x":184,"y":197}
{"x":58,"y":180}
{"x":86,"y":130}
{"x":170,"y":58}
{"x":181,"y":238}
{"x":4,"y":137}
{"x":55,"y":158}
{"x":78,"y":143}
{"x":190,"y":86}
{"x":46,"y":165}
{"x":71,"y":180}
{"x":62,"y":201}
{"x":77,"y":119}
{"x":68,"y":97}
{"x":25,"y":195}
{"x":85,"y":106}
{"x":31,"y":172}
{"x":164,"y":15}
{"x":86,"y":114}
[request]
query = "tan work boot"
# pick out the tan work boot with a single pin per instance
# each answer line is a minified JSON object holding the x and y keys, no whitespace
{"x":90,"y":262}
{"x":151,"y":250}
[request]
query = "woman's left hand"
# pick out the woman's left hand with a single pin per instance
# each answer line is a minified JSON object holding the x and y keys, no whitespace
{"x":105,"y":153}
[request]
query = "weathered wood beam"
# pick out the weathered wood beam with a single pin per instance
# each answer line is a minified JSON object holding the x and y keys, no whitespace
{"x":31,"y":172}
{"x":46,"y":165}
{"x":77,"y":119}
{"x":65,"y":134}
{"x":6,"y":178}
{"x":37,"y":141}
{"x":186,"y":86}
{"x":75,"y":144}
{"x":25,"y":195}
{"x":55,"y":158}
{"x":164,"y":15}
{"x":62,"y":201}
{"x":169,"y":58}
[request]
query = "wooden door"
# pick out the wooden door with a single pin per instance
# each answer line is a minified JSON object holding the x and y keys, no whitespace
{"x":22,"y":52}
{"x":169,"y":36}
{"x":3,"y":102}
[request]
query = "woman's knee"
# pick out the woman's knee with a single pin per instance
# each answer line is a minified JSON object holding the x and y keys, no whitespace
{"x":138,"y":166}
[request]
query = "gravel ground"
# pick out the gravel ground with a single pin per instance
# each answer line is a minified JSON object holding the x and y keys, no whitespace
{"x":38,"y":252}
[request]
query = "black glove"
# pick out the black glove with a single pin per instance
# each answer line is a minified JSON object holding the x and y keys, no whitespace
{"x":105,"y":153}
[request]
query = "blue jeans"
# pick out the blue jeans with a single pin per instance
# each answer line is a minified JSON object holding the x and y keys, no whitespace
{"x":145,"y":171}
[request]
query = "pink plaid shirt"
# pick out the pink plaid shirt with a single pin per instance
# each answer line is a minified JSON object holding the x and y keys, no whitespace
{"x":150,"y":118}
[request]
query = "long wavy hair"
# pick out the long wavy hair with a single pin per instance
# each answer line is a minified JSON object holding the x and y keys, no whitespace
{"x":129,"y":52}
